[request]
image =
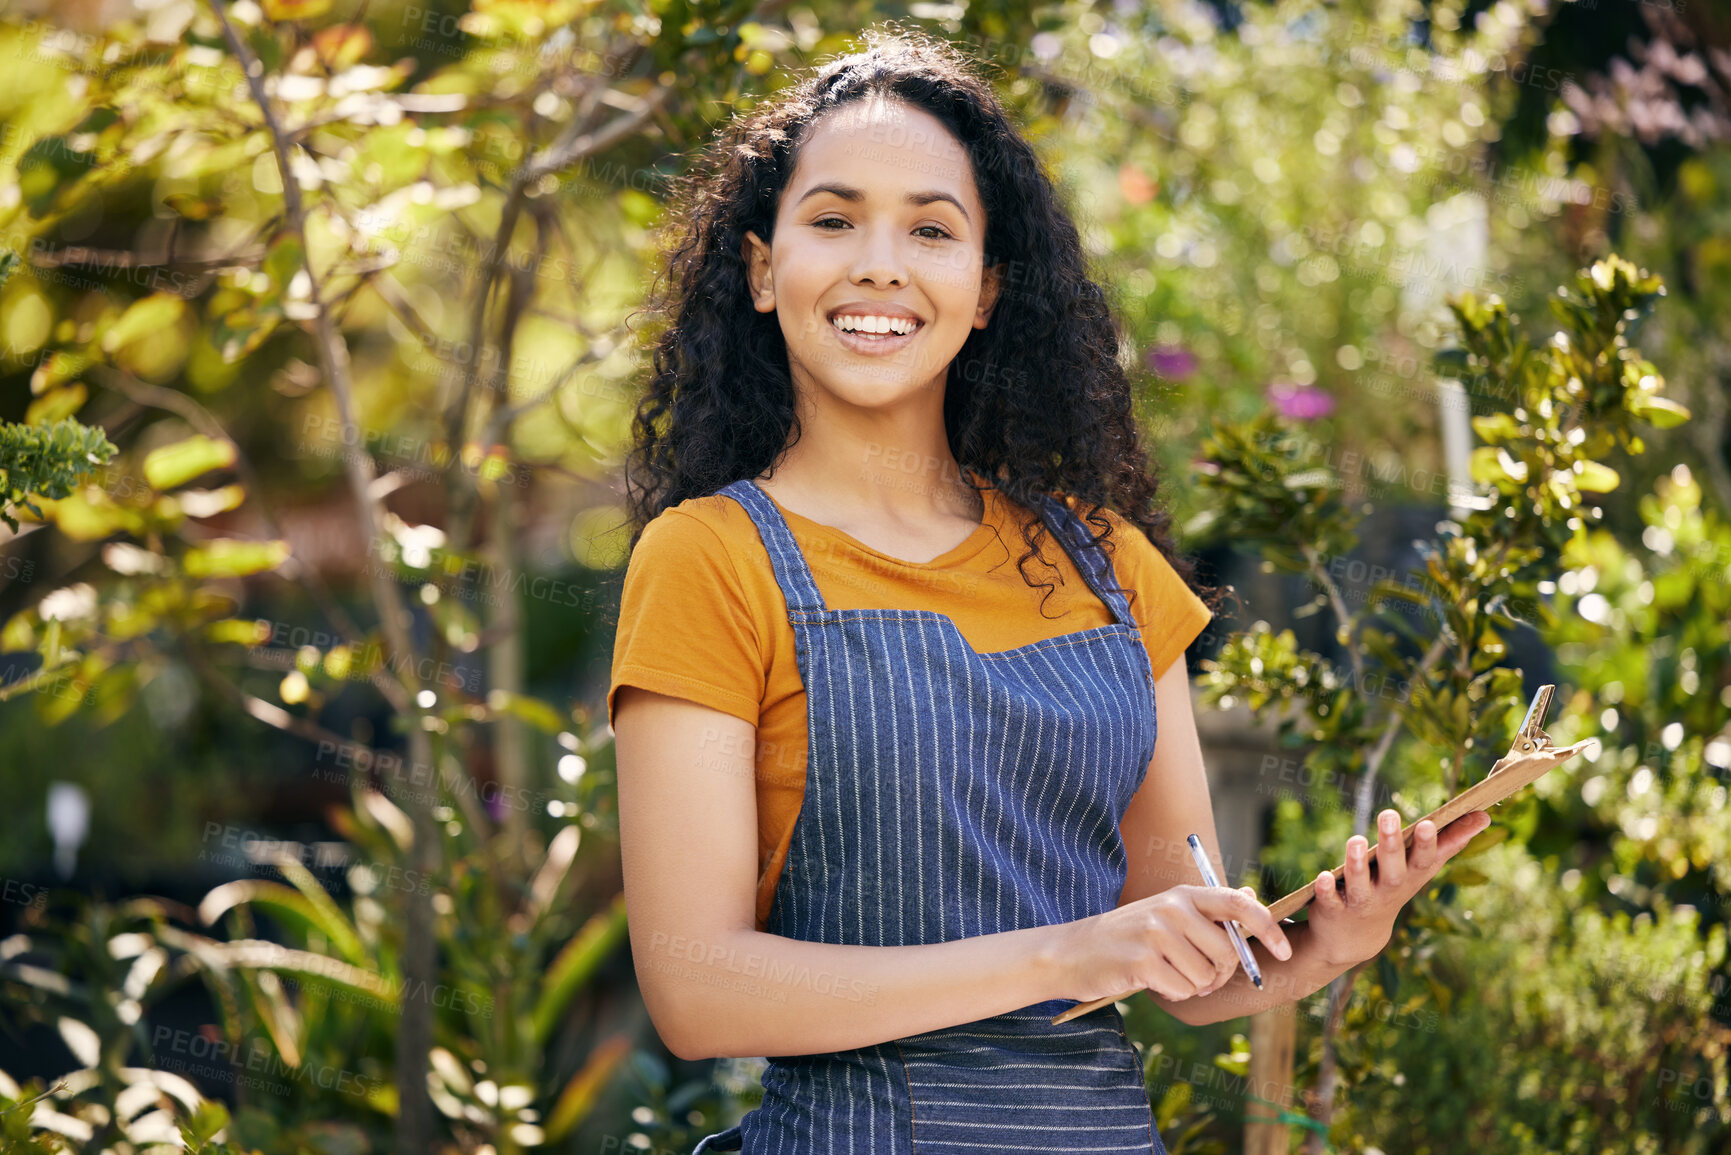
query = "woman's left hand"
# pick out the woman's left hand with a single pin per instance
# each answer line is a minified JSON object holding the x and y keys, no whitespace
{"x":1350,"y":928}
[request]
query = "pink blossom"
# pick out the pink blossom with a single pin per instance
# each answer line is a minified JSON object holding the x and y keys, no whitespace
{"x":1300,"y":402}
{"x":1172,"y":361}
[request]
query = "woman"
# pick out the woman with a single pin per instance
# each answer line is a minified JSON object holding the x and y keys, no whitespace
{"x":955,"y":794}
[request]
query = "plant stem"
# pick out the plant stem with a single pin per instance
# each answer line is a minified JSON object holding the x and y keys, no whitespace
{"x":414,"y":1041}
{"x":1328,"y":1069}
{"x":1337,"y":991}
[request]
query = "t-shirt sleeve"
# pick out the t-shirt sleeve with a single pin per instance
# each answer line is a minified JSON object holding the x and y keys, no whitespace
{"x":685,"y":623}
{"x":1167,"y":611}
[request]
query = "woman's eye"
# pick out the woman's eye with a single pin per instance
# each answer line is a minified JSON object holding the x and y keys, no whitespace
{"x":942,"y":233}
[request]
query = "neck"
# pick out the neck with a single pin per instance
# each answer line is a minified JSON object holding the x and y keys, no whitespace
{"x":894,"y":464}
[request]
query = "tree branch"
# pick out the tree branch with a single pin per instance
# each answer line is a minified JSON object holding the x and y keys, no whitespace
{"x":414,"y":1130}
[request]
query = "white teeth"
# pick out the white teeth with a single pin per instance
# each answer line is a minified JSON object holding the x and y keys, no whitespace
{"x":874,"y":324}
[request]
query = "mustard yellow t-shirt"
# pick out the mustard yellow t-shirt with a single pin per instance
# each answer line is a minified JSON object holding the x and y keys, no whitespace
{"x":701,"y":618}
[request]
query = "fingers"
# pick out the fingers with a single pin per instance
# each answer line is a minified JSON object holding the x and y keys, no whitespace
{"x":1210,"y":939}
{"x":1358,"y":884}
{"x":1328,"y":899}
{"x":1390,"y":850}
{"x":1261,"y":922}
{"x":1253,"y":918}
{"x":1424,"y":856}
{"x":1454,"y":837}
{"x":1431,"y":849}
{"x":1192,"y":964}
{"x":1169,"y":982}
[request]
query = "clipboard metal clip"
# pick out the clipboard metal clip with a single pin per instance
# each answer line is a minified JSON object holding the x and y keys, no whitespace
{"x":1530,"y":737}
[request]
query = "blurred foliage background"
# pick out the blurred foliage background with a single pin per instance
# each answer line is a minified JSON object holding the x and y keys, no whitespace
{"x":304,"y":623}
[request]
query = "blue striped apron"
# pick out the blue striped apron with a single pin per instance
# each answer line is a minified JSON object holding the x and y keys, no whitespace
{"x":950,"y":794}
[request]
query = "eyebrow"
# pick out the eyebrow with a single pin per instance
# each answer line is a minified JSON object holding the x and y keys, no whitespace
{"x":849,"y":193}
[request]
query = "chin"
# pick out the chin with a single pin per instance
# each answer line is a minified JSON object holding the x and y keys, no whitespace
{"x":879,"y":384}
{"x":873,"y":395}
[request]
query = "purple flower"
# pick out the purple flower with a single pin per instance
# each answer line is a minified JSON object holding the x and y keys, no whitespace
{"x":1300,"y":402}
{"x":1172,"y":361}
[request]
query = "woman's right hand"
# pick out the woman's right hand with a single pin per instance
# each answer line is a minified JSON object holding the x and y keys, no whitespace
{"x":1172,"y":943}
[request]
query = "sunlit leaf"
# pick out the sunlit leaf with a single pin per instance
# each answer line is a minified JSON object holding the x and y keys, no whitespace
{"x":145,"y":319}
{"x":176,"y":464}
{"x":573,"y":965}
{"x":1592,"y":477}
{"x":295,"y":9}
{"x":57,"y":405}
{"x":1659,"y":412}
{"x":579,"y":1095}
{"x":232,"y":557}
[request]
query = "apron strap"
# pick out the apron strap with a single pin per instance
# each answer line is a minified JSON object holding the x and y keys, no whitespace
{"x":791,"y":572}
{"x":1088,"y":555}
{"x":800,"y":590}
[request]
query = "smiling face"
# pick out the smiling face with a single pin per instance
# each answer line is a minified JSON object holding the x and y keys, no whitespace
{"x":881,"y":219}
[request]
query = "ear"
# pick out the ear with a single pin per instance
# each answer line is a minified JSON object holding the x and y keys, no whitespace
{"x":991,"y":284}
{"x":756,"y":254}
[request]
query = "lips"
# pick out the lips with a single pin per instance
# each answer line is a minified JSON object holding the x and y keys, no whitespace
{"x":875,"y":343}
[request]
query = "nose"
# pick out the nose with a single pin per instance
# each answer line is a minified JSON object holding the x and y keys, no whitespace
{"x":881,"y":259}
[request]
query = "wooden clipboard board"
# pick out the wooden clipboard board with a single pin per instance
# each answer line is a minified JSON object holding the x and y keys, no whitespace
{"x":1528,"y":759}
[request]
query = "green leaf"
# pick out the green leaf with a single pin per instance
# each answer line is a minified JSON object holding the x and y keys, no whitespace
{"x":285,"y":259}
{"x":91,"y":516}
{"x":1497,"y":427}
{"x":1482,"y":841}
{"x":331,"y":921}
{"x":1468,"y":876}
{"x":177,"y":464}
{"x":572,"y":966}
{"x":19,"y":633}
{"x":238,"y":631}
{"x":308,"y":966}
{"x":232,"y":557}
{"x":578,"y":1098}
{"x":47,"y":462}
{"x":57,"y":369}
{"x":1388,"y":588}
{"x":145,"y":318}
{"x":1659,"y":412}
{"x":283,"y":902}
{"x":1592,"y":477}
{"x":531,"y":710}
{"x":57,"y":405}
{"x":282,"y":10}
{"x":1486,"y":465}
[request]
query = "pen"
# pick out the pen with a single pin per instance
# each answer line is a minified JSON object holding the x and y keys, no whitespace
{"x":1208,"y":878}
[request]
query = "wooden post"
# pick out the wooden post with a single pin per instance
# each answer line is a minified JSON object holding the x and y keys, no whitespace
{"x":1273,"y":1035}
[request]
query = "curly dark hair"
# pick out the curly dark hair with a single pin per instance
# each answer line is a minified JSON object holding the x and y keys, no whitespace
{"x":719,"y":404}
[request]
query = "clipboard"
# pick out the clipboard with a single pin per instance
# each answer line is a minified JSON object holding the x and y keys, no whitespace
{"x":1530,"y":756}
